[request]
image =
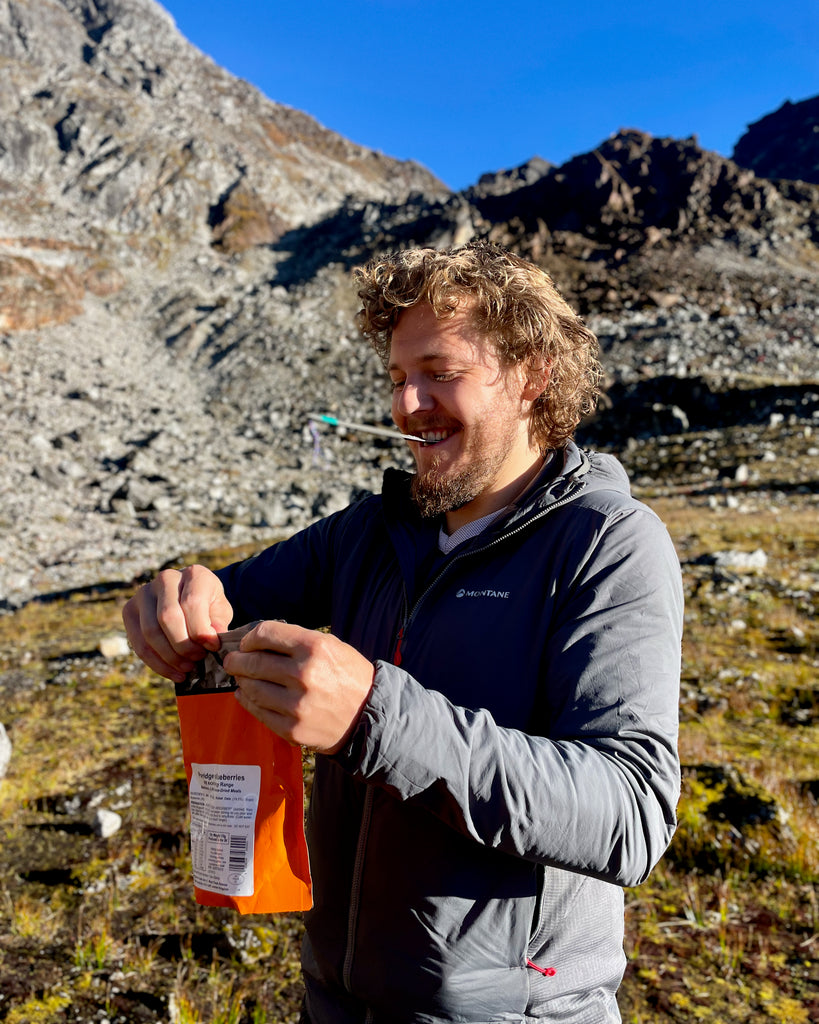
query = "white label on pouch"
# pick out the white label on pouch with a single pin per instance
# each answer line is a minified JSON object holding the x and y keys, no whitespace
{"x":224,"y":799}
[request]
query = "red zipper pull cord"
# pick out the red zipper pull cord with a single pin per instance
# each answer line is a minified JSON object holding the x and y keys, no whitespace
{"x":396,"y":658}
{"x":549,"y":972}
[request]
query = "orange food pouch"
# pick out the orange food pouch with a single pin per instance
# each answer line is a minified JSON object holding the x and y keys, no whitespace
{"x":246,"y":792}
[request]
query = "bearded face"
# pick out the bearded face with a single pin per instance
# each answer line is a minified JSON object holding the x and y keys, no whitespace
{"x":472,"y":412}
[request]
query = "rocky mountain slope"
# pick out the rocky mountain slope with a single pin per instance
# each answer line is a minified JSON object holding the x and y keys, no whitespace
{"x":175,"y":294}
{"x":113,"y":118}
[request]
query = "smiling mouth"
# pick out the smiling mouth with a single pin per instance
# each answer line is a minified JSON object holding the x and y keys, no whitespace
{"x":433,"y":437}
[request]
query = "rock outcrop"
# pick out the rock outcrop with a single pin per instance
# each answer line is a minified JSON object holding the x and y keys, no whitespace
{"x":784,"y":144}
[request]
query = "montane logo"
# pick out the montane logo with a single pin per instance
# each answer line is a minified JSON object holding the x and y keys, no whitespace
{"x":503,"y":594}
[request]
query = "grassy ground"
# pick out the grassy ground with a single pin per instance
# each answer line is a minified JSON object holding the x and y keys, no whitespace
{"x":727,"y":928}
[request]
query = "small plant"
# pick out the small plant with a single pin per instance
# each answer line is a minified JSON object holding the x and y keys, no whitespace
{"x":214,"y":1002}
{"x":31,"y":918}
{"x":140,"y":958}
{"x":92,"y":954}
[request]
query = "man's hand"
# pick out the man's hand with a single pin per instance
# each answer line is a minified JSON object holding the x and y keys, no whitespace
{"x":172,"y":621}
{"x":307,"y":687}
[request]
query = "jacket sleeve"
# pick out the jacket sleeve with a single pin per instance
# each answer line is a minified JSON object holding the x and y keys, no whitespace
{"x":597,"y":792}
{"x":291,"y":580}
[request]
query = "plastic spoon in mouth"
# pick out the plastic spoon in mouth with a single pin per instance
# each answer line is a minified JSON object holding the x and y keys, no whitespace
{"x":394,"y":435}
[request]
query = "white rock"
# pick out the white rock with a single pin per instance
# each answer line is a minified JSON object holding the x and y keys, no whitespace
{"x":106,"y":823}
{"x":745,"y":560}
{"x":5,"y":750}
{"x":114,"y":646}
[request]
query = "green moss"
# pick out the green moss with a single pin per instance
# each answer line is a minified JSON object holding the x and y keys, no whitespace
{"x":47,"y":1010}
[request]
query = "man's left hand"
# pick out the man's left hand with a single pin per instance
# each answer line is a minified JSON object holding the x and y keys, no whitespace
{"x":306,"y":686}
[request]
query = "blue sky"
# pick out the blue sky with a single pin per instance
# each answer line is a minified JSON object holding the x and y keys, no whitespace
{"x":469,"y":87}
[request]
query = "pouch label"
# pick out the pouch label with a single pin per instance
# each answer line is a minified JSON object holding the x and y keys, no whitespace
{"x":224,"y":799}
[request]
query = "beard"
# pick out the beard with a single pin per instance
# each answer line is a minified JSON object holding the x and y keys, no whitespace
{"x":435,"y":491}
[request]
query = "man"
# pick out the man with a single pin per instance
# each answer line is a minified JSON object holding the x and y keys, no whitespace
{"x":495,"y":709}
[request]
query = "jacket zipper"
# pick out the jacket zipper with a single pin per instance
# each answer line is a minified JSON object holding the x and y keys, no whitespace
{"x":547,"y":972}
{"x":397,"y":658}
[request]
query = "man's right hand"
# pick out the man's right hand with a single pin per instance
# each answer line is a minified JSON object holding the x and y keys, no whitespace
{"x":175,"y":619}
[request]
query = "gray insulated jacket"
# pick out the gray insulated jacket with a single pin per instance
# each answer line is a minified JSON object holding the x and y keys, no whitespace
{"x":511,"y":773}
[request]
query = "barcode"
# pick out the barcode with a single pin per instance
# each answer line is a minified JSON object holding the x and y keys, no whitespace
{"x":238,"y":853}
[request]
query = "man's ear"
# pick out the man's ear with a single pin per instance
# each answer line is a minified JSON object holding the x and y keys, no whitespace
{"x":536,"y":380}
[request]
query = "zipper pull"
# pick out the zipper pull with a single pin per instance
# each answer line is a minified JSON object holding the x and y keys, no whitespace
{"x":549,"y":972}
{"x":396,"y":658}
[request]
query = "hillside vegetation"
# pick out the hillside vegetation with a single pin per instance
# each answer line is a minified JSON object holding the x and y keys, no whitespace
{"x":726,"y":929}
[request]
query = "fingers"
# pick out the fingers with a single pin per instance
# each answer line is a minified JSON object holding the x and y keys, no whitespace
{"x":266,"y":689}
{"x":146,"y":634}
{"x":165,"y":623}
{"x":271,"y":661}
{"x":172,"y":620}
{"x":281,"y":724}
{"x":267,"y":693}
{"x":207,"y":612}
{"x":308,"y":687}
{"x":283,"y":637}
{"x":273,"y":705}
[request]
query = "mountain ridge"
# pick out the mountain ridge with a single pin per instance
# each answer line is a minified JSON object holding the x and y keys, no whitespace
{"x":175,"y":291}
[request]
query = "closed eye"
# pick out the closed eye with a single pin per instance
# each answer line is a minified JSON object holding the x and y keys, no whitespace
{"x":438,"y":378}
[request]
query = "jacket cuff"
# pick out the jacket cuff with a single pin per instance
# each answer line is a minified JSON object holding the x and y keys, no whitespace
{"x":358,"y":748}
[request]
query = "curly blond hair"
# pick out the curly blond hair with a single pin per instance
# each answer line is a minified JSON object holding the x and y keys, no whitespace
{"x":512,"y":301}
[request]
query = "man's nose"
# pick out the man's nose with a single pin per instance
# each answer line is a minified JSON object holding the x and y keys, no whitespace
{"x":412,"y":398}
